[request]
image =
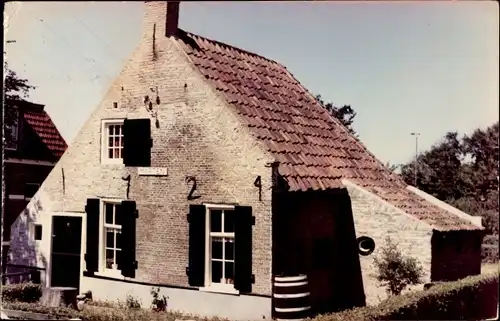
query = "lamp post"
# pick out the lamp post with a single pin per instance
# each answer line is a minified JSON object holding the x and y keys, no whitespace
{"x":416,"y":155}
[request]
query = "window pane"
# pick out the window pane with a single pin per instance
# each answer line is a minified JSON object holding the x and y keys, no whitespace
{"x":229,"y":221}
{"x":116,"y":153}
{"x":109,"y":259}
{"x":215,"y":221}
{"x":229,"y":271}
{"x":118,"y":129}
{"x":216,"y":248}
{"x":109,"y":213}
{"x":216,"y":271}
{"x":111,"y":129}
{"x":110,"y":238}
{"x":118,"y":240}
{"x":110,"y":153}
{"x":229,"y":249}
{"x":110,"y":142}
{"x":117,"y":142}
{"x":118,"y":254}
{"x":121,"y":141}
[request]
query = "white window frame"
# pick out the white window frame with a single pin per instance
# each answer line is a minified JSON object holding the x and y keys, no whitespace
{"x":104,"y":141}
{"x":14,"y":130}
{"x":32,"y":228}
{"x":209,"y":286}
{"x":102,"y":270}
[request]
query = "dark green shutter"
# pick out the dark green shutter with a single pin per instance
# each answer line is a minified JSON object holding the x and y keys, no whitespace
{"x":128,"y":264}
{"x":197,"y":234}
{"x":92,"y":254}
{"x":137,"y":142}
{"x":243,"y":278}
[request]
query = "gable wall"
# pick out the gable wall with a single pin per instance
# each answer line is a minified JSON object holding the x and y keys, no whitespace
{"x":197,"y":136}
{"x":377,"y":219}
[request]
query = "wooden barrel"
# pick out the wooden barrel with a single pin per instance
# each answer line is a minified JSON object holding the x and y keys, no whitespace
{"x":291,"y":297}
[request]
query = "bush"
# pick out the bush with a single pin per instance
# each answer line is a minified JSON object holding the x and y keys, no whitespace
{"x":472,"y":298}
{"x":23,"y":292}
{"x":395,"y":271}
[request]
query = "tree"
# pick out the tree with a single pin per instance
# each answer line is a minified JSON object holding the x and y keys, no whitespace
{"x":396,"y":271}
{"x":344,"y":114}
{"x":462,"y":172}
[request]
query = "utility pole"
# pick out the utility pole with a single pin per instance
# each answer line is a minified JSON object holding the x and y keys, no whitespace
{"x":416,"y":156}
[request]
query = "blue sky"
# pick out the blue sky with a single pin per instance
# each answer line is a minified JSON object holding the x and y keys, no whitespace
{"x":403,"y":67}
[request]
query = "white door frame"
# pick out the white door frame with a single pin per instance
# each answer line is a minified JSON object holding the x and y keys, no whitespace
{"x":83,"y":240}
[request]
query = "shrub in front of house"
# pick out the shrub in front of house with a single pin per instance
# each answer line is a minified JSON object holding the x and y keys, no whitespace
{"x":396,"y":271}
{"x":23,"y":292}
{"x":472,"y":298}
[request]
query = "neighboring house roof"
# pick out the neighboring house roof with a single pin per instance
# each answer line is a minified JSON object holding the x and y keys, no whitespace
{"x":314,"y":150}
{"x":44,"y":127}
{"x":39,"y":137}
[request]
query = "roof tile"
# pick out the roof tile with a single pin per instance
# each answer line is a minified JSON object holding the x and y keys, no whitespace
{"x":315,"y":151}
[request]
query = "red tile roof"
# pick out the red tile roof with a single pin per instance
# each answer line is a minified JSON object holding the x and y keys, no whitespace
{"x":43,"y":126}
{"x":314,"y":150}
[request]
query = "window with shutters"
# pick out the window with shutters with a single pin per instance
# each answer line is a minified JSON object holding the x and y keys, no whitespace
{"x":112,"y":236}
{"x":220,"y":248}
{"x":112,"y":141}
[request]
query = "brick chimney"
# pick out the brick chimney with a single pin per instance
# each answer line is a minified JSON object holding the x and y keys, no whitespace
{"x":161,"y":16}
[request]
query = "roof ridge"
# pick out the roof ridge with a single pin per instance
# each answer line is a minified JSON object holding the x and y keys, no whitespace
{"x":187,"y":33}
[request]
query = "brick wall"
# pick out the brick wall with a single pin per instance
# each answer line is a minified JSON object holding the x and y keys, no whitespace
{"x":16,"y":176}
{"x":375,"y":218}
{"x":197,"y":135}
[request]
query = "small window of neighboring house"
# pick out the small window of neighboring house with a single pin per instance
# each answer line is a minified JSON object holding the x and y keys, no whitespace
{"x":30,"y":190}
{"x":36,"y":231}
{"x":112,"y":141}
{"x":112,"y":244}
{"x":220,"y":256}
{"x":12,"y":129}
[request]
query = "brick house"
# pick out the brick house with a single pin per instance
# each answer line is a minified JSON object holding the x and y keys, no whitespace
{"x":207,"y":170}
{"x":33,"y":146}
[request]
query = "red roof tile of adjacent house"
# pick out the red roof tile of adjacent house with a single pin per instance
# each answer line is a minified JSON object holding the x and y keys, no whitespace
{"x":42,"y":125}
{"x":314,"y":150}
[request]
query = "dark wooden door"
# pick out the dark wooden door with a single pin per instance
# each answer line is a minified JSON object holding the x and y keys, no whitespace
{"x":66,"y":251}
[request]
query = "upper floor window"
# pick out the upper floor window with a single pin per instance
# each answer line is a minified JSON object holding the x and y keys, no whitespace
{"x":11,"y":128}
{"x":112,"y":141}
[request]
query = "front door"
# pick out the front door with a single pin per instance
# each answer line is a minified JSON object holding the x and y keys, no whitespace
{"x":66,"y":251}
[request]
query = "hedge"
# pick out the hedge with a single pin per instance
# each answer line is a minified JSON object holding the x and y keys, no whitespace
{"x":474,"y":297}
{"x":24,"y":292}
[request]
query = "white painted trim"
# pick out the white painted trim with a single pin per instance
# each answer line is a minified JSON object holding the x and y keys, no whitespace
{"x":104,"y":150}
{"x":29,"y":162}
{"x":219,"y":206}
{"x":285,"y":285}
{"x":101,"y":267}
{"x":290,"y":278}
{"x":18,"y":197}
{"x":220,"y":288}
{"x":209,"y":286}
{"x":5,"y":243}
{"x":348,"y":183}
{"x":292,"y":309}
{"x":475,"y":220}
{"x":291,"y":296}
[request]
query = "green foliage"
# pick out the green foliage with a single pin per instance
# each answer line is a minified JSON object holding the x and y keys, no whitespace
{"x":464,"y":173}
{"x":23,"y":292}
{"x":159,"y":303}
{"x":396,"y":271}
{"x":344,"y":114}
{"x":472,"y":298}
{"x":132,"y":302}
{"x":100,"y":313}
